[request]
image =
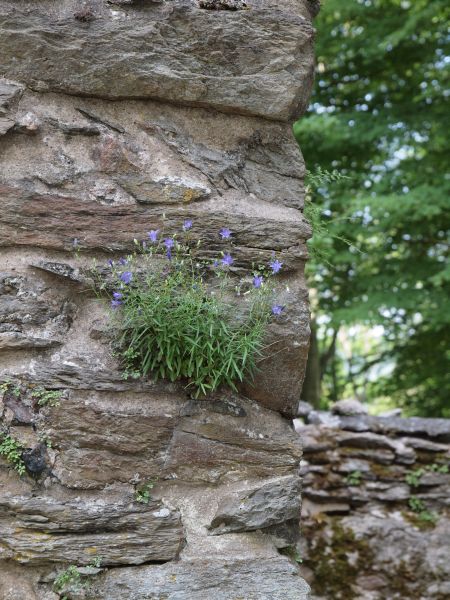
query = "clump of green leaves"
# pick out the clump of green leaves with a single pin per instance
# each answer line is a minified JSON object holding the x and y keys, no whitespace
{"x":423,"y":514}
{"x":72,"y":578}
{"x":177,"y":317}
{"x":413,"y":477}
{"x":372,"y":129}
{"x":323,"y":232}
{"x":11,"y":449}
{"x":47,"y":397}
{"x":8,"y":386}
{"x":354,"y":478}
{"x":442,"y":469}
{"x":142,"y":493}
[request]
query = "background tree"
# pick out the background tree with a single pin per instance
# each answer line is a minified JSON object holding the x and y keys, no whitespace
{"x":379,"y":271}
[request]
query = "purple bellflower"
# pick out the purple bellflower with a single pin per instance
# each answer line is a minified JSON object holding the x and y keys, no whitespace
{"x":126,"y":277}
{"x":225,"y":233}
{"x":227,"y":260}
{"x":275,"y":265}
{"x":153,"y":235}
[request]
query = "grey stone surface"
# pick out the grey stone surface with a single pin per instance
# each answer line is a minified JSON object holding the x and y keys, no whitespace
{"x":348,"y":407}
{"x":32,"y":315}
{"x":273,"y":503}
{"x":275,"y":579}
{"x":43,"y":529}
{"x":105,"y":190}
{"x":375,"y":501}
{"x":257,"y":61}
{"x":118,"y":117}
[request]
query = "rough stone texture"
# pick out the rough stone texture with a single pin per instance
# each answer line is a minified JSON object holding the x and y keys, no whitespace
{"x":257,"y":61}
{"x":262,"y":507}
{"x":43,"y":529}
{"x":204,"y":580}
{"x":117,"y":117}
{"x":362,"y":539}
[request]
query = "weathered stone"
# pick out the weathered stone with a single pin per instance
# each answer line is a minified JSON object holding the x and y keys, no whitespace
{"x":106,"y":190}
{"x":303,"y":409}
{"x":42,"y":529}
{"x":10,"y":93}
{"x":271,"y":504}
{"x":316,"y":417}
{"x":377,"y":505}
{"x":265,"y":579}
{"x":61,"y":270}
{"x":436,"y":429}
{"x":31,"y":314}
{"x":214,"y":447}
{"x":102,"y":437}
{"x":348,"y":407}
{"x":257,"y":61}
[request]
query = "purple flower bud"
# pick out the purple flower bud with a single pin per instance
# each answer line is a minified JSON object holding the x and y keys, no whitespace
{"x":187,"y":225}
{"x":275,"y":265}
{"x":115,"y":303}
{"x":277,"y":309}
{"x":257,"y":281}
{"x":215,"y":263}
{"x":122,"y":261}
{"x":169,"y":243}
{"x":75,"y":242}
{"x":227,"y":260}
{"x":126,"y":277}
{"x":169,"y":254}
{"x":153,"y":235}
{"x":117,"y":295}
{"x":225,"y":233}
{"x":111,"y":263}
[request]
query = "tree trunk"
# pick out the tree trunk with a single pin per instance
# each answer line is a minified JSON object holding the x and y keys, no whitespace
{"x":311,"y":386}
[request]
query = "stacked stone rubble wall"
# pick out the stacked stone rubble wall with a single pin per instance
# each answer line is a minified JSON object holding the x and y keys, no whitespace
{"x":376,"y":507}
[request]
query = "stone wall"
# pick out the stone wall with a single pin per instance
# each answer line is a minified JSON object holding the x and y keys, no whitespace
{"x":376,"y":507}
{"x":117,"y":115}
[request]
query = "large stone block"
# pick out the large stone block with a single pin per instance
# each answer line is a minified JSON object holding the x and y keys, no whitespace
{"x":44,"y":529}
{"x":256,"y":61}
{"x":263,"y":579}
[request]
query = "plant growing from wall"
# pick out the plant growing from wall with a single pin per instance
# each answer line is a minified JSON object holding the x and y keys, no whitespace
{"x":11,"y":449}
{"x":47,"y":397}
{"x":423,"y":514}
{"x":142,"y":493}
{"x":354,"y":478}
{"x":177,"y":317}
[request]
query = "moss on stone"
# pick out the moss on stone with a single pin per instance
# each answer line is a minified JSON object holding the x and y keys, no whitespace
{"x":337,"y":562}
{"x":418,"y":521}
{"x":404,"y":582}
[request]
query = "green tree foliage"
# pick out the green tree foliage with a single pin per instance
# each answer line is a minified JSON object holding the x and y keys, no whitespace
{"x":379,"y":116}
